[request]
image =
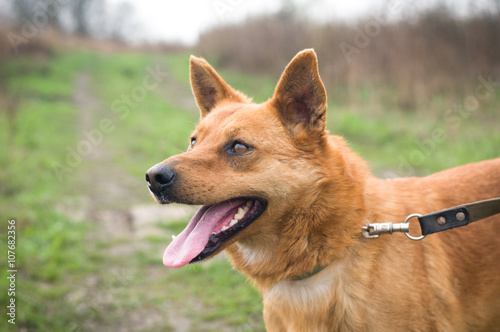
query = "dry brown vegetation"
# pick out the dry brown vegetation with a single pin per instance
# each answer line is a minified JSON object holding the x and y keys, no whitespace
{"x":433,"y":52}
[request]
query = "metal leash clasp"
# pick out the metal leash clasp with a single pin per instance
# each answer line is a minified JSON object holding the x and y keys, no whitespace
{"x":372,"y":231}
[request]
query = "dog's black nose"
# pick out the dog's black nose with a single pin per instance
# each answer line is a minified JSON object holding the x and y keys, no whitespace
{"x":160,"y":177}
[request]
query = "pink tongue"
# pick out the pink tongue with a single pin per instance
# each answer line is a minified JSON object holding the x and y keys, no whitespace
{"x":194,"y":238}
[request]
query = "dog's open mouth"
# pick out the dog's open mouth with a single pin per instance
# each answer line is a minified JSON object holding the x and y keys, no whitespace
{"x":210,"y":227}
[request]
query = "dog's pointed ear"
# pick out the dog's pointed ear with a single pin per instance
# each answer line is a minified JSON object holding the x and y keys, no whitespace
{"x":300,"y":96}
{"x":209,"y":88}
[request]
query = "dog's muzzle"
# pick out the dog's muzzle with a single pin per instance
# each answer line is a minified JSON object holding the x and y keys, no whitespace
{"x":160,"y":178}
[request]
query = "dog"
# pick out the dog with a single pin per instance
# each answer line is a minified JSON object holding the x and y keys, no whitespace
{"x":287,"y":201}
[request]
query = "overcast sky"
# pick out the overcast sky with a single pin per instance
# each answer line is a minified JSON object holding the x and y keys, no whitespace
{"x":184,"y":20}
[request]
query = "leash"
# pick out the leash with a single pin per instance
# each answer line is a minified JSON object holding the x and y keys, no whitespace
{"x":438,"y":221}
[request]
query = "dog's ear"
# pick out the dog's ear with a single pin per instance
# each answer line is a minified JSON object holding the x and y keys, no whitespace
{"x":209,"y":88}
{"x":300,"y":96}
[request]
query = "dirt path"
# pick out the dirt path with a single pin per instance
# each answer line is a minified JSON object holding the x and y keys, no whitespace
{"x":125,"y":216}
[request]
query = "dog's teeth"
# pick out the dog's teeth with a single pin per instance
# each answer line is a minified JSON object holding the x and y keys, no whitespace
{"x":224,"y":228}
{"x":233,"y":222}
{"x":249,"y":204}
{"x":241,"y":213}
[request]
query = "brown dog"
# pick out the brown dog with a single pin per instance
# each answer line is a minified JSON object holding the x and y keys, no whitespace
{"x":287,"y":202}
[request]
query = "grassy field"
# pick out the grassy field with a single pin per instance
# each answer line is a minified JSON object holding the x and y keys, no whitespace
{"x":77,"y":133}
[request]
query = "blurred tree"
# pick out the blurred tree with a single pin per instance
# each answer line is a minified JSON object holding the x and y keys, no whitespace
{"x":496,"y":3}
{"x":87,"y":18}
{"x":23,"y":8}
{"x":47,"y":12}
{"x":289,"y":10}
{"x":80,"y":13}
{"x":122,"y":25}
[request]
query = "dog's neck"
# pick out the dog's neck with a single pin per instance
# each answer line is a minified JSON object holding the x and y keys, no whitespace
{"x":296,"y":253}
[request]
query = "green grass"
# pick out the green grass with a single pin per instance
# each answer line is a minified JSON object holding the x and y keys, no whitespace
{"x":49,"y":246}
{"x":68,"y":280}
{"x":178,"y":67}
{"x":258,"y":87}
{"x":153,"y":128}
{"x":224,"y":292}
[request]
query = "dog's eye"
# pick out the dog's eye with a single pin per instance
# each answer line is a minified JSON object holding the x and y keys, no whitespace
{"x":239,"y":148}
{"x":193,"y":142}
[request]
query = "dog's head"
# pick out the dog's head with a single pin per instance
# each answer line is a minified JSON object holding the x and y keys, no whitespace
{"x":247,"y":164}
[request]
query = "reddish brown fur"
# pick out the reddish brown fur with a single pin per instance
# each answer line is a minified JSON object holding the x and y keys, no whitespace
{"x":319,"y":195}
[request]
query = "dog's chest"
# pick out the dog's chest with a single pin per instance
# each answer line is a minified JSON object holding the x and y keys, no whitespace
{"x":319,"y":303}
